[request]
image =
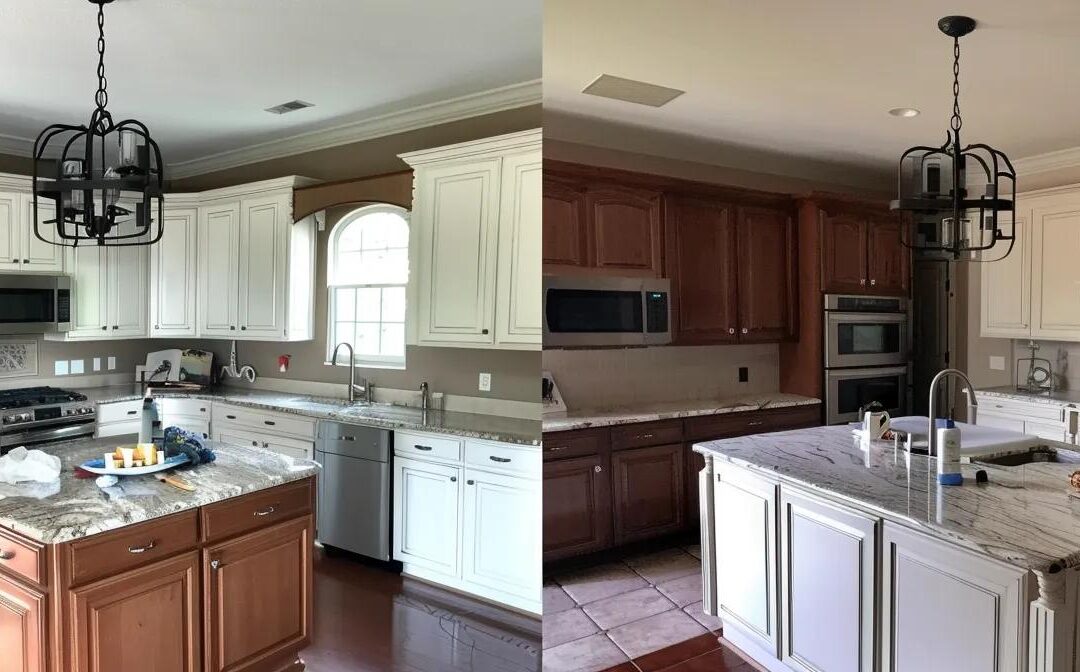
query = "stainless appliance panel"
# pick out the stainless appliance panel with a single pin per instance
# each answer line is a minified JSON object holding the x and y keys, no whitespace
{"x":849,"y":390}
{"x":83,"y":427}
{"x":357,"y":441}
{"x":865,"y":339}
{"x":34,"y":304}
{"x":581,"y":311}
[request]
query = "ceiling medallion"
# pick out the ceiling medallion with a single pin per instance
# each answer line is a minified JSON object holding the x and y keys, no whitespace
{"x":107,"y":180}
{"x":952,"y":214}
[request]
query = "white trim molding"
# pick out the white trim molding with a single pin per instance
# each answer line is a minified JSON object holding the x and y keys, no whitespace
{"x":1050,"y":161}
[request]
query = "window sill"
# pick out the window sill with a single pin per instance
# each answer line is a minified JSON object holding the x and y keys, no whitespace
{"x":371,"y":365}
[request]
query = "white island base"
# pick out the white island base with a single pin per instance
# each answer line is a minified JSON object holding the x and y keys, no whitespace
{"x":804,"y":580}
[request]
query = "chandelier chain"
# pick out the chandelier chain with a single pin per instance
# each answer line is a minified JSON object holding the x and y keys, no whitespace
{"x":956,"y":122}
{"x":102,"y":96}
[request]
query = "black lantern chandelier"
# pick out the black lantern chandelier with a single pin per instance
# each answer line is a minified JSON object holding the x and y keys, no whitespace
{"x":950,"y":217}
{"x":106,"y":179}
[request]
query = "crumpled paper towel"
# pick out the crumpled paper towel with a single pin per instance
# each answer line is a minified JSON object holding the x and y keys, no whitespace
{"x":29,"y":465}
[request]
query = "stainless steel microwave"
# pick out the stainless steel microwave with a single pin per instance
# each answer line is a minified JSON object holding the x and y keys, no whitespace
{"x":583,"y":311}
{"x":34,"y":304}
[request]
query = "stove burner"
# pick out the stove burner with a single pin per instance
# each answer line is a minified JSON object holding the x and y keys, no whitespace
{"x":36,"y":396}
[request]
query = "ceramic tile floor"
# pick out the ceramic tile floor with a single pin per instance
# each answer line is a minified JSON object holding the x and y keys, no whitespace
{"x":603,"y":616}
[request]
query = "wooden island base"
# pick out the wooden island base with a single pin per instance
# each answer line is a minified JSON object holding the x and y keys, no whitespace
{"x":225,"y":587}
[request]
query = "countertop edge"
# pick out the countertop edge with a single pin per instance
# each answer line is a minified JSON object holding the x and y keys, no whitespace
{"x":617,"y":418}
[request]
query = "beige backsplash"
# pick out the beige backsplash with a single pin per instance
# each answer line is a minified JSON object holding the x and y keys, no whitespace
{"x":632,"y":376}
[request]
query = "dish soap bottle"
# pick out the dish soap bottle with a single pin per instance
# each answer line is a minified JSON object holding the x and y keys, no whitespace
{"x":948,"y":453}
{"x":150,"y":418}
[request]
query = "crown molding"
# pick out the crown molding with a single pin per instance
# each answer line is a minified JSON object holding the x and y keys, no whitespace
{"x":16,"y":146}
{"x":1050,"y":161}
{"x":474,"y":149}
{"x":454,"y":109}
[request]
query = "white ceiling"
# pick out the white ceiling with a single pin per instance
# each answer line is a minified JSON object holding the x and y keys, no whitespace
{"x":199,"y":73}
{"x":816,"y":79}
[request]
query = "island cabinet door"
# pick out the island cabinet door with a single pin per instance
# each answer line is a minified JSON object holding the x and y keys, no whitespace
{"x":22,"y":628}
{"x":648,"y":492}
{"x":577,"y":506}
{"x":746,"y":583}
{"x":946,"y":608}
{"x":427,"y":515}
{"x":828,"y":583}
{"x":143,"y":619}
{"x":258,"y":597}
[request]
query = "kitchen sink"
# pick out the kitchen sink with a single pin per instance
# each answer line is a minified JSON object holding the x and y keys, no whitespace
{"x":1036,"y":455}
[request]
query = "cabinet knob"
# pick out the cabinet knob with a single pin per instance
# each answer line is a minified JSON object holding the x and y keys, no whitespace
{"x":731,"y":330}
{"x":471,"y":482}
{"x":745,"y":330}
{"x":104,"y":328}
{"x":115,"y":327}
{"x":7,"y":555}
{"x":243,"y":328}
{"x":215,"y":564}
{"x":598,"y":468}
{"x":863,"y":282}
{"x":156,"y":326}
{"x":232,"y":328}
{"x":26,"y":261}
{"x":484,"y":332}
{"x":873,"y":282}
{"x":453,"y":479}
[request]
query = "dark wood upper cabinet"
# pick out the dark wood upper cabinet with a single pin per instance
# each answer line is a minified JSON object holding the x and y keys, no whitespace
{"x":844,"y":254}
{"x":624,"y":230}
{"x":767,"y":276}
{"x":577,"y":506}
{"x":701,"y":262}
{"x":564,"y":226}
{"x":648,"y":492}
{"x":887,"y":257}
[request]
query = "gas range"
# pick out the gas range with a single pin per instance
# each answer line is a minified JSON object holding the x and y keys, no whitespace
{"x":36,"y":415}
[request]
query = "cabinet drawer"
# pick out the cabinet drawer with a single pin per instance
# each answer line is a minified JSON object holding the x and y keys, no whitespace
{"x":576,"y":443}
{"x":24,"y":557}
{"x":646,"y":434}
{"x":118,"y":429}
{"x":119,"y":411}
{"x":426,"y":445}
{"x":278,"y":423}
{"x":519,"y":460}
{"x":234,"y":516}
{"x":241,"y":436}
{"x":1019,"y":409}
{"x":709,"y":427}
{"x":193,"y":408}
{"x":111,"y":553}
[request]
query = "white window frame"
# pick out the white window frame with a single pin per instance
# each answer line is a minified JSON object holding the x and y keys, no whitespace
{"x":366,"y":361}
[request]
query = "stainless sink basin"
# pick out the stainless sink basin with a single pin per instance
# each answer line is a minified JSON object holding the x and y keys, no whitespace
{"x":1036,"y":455}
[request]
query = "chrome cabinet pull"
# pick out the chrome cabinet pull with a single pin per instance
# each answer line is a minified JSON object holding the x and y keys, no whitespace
{"x":755,"y":423}
{"x":7,"y":555}
{"x":645,"y":436}
{"x":141,"y":549}
{"x":495,"y":458}
{"x":264,"y":512}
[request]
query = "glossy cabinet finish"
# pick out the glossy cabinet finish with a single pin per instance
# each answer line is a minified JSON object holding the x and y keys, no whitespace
{"x":173,"y":275}
{"x":577,"y":506}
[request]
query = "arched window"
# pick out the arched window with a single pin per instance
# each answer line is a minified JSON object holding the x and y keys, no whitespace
{"x":367,"y":270}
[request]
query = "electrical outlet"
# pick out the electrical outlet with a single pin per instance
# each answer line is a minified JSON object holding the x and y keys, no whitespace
{"x":112,"y":363}
{"x":485,"y":382}
{"x":97,"y":363}
{"x":76,"y":367}
{"x":60,"y":367}
{"x":744,"y":374}
{"x":997,"y":363}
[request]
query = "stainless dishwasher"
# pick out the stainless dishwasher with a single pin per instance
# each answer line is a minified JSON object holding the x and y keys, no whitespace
{"x":354,"y":488}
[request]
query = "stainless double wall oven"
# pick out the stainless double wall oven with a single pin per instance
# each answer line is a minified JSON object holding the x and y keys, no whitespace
{"x":867,"y":355}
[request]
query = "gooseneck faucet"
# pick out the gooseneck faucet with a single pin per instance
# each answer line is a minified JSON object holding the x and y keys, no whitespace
{"x":973,"y":404}
{"x":364,"y":387}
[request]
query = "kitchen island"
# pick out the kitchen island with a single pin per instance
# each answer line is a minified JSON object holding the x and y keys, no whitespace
{"x":819,"y":555}
{"x":144,"y":576}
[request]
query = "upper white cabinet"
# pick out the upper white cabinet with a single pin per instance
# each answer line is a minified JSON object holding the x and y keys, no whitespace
{"x":173,"y":268}
{"x":256,"y":266}
{"x":1006,"y":284}
{"x":476,"y":244}
{"x":20,"y":248}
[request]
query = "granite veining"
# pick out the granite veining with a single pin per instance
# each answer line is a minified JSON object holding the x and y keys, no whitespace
{"x":71,"y":508}
{"x":1024,"y":516}
{"x":1051,"y":398}
{"x":469,"y":425}
{"x":581,"y":419}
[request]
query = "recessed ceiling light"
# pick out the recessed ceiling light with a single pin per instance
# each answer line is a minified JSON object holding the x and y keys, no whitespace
{"x":904,"y":112}
{"x":632,"y":91}
{"x":291,"y":106}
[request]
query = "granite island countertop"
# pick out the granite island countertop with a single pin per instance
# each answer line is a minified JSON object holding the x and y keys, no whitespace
{"x":71,"y":508}
{"x":470,"y":425}
{"x":1024,"y":516}
{"x":625,"y":415}
{"x":1052,"y":397}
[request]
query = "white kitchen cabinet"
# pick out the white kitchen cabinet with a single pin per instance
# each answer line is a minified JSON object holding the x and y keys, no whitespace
{"x":127,"y":273}
{"x":427,"y":515}
{"x":264,"y":227}
{"x":173,"y":273}
{"x":828,"y":585}
{"x":745,"y":523}
{"x":1006,"y":283}
{"x":502,"y":549}
{"x":1055,"y":305}
{"x":1052,"y":421}
{"x":38,"y":255}
{"x":944,"y":608}
{"x":219,"y":261}
{"x":282,"y":445}
{"x":475,"y":242}
{"x":9,"y":232}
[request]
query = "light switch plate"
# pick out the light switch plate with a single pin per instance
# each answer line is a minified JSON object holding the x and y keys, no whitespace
{"x":997,"y":363}
{"x":112,"y":363}
{"x":485,"y":382}
{"x":97,"y":363}
{"x":60,"y":367}
{"x":76,"y":367}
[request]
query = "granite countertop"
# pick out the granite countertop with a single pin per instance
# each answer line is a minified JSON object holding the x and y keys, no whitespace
{"x":470,"y":425}
{"x":71,"y":508}
{"x":1053,"y":397}
{"x":580,"y":419}
{"x":1024,"y":516}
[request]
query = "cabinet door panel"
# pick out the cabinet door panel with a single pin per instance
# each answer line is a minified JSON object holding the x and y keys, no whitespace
{"x":127,"y":293}
{"x":22,"y":628}
{"x":565,"y":237}
{"x":258,"y":596}
{"x":37,"y":255}
{"x":517,"y":313}
{"x":173,"y":269}
{"x":1006,"y":283}
{"x":577,"y":506}
{"x":702,"y":261}
{"x":828,"y":587}
{"x":1056,"y":242}
{"x":502,"y":533}
{"x":843,"y":259}
{"x":767,"y":276}
{"x":144,"y":619}
{"x":10,"y":225}
{"x":261,"y":289}
{"x":887,"y":258}
{"x":427,"y":518}
{"x":648,"y":492}
{"x":219,"y":236}
{"x":624,"y":230}
{"x":89,"y":290}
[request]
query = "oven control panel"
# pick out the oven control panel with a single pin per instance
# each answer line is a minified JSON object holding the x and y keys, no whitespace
{"x":40,"y":413}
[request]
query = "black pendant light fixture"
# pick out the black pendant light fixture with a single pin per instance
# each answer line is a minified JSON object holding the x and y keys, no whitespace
{"x":952,"y":218}
{"x":107,"y":180}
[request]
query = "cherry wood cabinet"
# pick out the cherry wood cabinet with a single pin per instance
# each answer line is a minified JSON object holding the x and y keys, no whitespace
{"x":887,"y":257}
{"x":565,"y":244}
{"x":624,"y":230}
{"x":23,"y":637}
{"x":767,"y":275}
{"x":648,"y":492}
{"x":577,"y":506}
{"x":863,"y":253}
{"x":843,"y":242}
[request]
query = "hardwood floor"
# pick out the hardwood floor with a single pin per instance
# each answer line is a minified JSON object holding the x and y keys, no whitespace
{"x":700,"y":654}
{"x":370,"y":619}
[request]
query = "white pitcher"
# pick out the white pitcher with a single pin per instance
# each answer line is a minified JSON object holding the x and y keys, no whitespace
{"x":875,"y":424}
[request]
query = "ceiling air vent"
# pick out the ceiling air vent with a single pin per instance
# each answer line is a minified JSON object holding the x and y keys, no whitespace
{"x":291,"y":106}
{"x":632,"y":91}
